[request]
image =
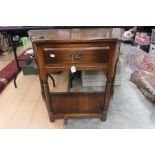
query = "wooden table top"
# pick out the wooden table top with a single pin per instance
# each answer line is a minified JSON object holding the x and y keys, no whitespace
{"x":82,"y":34}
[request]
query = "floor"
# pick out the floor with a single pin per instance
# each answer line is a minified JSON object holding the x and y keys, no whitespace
{"x":24,"y":107}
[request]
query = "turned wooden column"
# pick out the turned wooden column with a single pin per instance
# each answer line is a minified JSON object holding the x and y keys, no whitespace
{"x":109,"y":88}
{"x":48,"y":100}
{"x":113,"y":80}
{"x":107,"y":94}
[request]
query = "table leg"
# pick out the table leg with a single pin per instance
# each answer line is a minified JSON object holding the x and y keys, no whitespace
{"x":104,"y":116}
{"x":16,"y":59}
{"x":42,"y":87}
{"x":107,"y":95}
{"x":113,"y":79}
{"x":48,"y":100}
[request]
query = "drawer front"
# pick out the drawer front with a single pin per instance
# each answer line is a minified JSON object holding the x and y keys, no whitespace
{"x":76,"y":55}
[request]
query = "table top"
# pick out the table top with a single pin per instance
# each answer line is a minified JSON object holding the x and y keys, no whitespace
{"x":81,"y":34}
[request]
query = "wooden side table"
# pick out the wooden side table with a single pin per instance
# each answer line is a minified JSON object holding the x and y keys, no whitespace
{"x":86,"y":49}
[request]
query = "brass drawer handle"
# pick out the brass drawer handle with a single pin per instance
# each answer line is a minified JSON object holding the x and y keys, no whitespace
{"x":77,"y":55}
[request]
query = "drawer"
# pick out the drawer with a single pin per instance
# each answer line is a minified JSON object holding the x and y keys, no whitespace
{"x":78,"y":55}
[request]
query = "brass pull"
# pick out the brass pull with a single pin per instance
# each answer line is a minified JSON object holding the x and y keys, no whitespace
{"x":77,"y":55}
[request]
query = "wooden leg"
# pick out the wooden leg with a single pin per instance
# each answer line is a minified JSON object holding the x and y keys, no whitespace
{"x":51,"y":116}
{"x":48,"y":102}
{"x":113,"y":80}
{"x":42,"y":88}
{"x":107,"y":93}
{"x":104,"y":116}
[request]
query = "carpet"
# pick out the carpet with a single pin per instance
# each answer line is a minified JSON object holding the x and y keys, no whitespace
{"x":10,"y":71}
{"x":138,"y":60}
{"x":145,"y":81}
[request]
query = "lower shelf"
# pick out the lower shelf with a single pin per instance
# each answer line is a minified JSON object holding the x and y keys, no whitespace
{"x":74,"y":103}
